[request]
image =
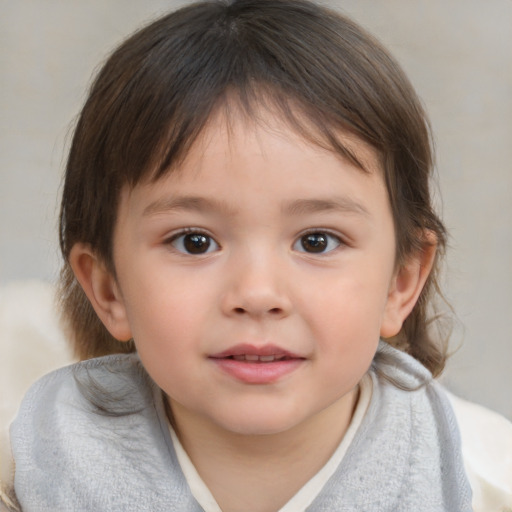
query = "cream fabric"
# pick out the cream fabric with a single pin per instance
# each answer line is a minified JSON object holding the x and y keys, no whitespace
{"x":487,"y":451}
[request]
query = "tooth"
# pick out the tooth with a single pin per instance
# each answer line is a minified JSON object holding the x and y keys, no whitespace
{"x":267,"y":359}
{"x":239,"y":358}
{"x":251,"y":357}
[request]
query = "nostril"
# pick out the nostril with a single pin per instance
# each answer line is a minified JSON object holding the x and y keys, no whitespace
{"x":272,"y":311}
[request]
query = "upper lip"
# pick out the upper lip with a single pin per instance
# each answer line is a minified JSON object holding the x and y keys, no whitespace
{"x":253,"y":350}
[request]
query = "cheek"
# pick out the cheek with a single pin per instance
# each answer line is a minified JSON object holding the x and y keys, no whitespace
{"x":162,"y":299}
{"x":166,"y":324}
{"x":351,"y":307}
{"x":346,"y":323}
{"x":170,"y":317}
{"x":169,"y":338}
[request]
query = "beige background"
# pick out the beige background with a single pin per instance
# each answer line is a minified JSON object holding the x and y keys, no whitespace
{"x":458,"y":54}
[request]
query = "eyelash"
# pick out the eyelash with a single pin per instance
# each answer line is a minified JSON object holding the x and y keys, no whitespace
{"x":321,"y":233}
{"x":175,"y":239}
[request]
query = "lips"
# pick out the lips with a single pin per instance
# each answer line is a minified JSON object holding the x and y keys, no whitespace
{"x":253,"y":358}
{"x":253,"y":353}
{"x":257,"y":365}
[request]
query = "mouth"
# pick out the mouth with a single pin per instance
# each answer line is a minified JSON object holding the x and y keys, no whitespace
{"x":257,"y":365}
{"x":254,"y":354}
{"x":254,"y":358}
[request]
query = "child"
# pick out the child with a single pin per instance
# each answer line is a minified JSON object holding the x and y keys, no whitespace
{"x":249,"y":241}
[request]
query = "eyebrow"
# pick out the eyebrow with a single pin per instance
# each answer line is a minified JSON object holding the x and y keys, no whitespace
{"x":296,"y":207}
{"x":187,"y":203}
{"x":337,"y":204}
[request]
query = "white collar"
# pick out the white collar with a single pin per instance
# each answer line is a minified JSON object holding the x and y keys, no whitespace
{"x":305,"y":496}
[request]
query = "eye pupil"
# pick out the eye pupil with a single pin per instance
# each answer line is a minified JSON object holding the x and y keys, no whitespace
{"x":196,"y":243}
{"x":314,"y":242}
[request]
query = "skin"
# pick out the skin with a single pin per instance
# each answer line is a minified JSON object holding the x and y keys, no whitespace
{"x":254,"y":193}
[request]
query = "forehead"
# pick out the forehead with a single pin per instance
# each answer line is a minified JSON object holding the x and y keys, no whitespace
{"x":264,"y":108}
{"x":234,"y":123}
{"x":237,"y":159}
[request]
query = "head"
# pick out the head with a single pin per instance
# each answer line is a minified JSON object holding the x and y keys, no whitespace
{"x":159,"y":91}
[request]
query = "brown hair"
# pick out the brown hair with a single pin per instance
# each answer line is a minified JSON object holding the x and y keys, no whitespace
{"x":156,"y":92}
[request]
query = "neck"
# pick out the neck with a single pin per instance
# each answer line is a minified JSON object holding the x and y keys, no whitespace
{"x":264,"y":471}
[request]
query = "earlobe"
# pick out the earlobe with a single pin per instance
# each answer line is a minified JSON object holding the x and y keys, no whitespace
{"x":406,"y":287}
{"x":101,"y":289}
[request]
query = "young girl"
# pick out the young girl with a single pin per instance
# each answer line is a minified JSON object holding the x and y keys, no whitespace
{"x":249,"y":242}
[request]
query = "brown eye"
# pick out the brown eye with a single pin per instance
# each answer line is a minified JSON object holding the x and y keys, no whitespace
{"x":194,"y":243}
{"x":317,"y":242}
{"x":314,"y":242}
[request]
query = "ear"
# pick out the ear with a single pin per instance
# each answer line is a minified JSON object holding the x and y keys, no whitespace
{"x":101,"y":289}
{"x":406,"y":286}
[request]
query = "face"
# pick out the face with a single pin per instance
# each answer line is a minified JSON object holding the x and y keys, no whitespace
{"x":255,"y":279}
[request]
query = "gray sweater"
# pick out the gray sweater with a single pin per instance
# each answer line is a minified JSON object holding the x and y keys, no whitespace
{"x":94,"y":437}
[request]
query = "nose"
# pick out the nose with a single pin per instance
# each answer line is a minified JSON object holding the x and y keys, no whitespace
{"x":256,"y":288}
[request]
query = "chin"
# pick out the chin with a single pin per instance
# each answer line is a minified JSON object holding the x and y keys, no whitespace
{"x":258,"y":425}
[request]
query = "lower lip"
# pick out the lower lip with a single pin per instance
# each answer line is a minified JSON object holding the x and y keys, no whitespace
{"x":257,"y":373}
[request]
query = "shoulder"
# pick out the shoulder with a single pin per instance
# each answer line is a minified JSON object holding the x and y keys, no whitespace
{"x":101,"y":423}
{"x":83,"y":397}
{"x":483,"y":437}
{"x":404,"y":388}
{"x":79,"y":382}
{"x":406,"y":452}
